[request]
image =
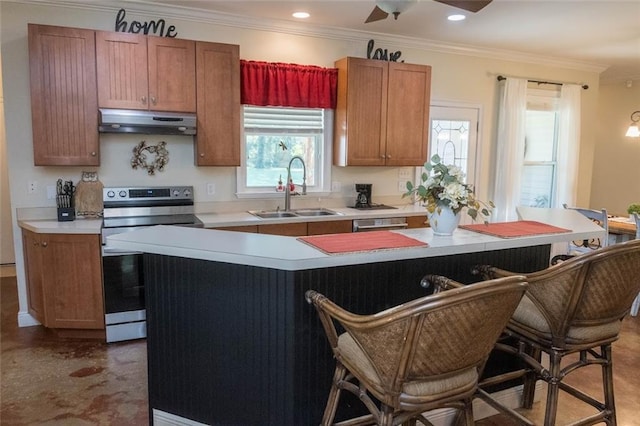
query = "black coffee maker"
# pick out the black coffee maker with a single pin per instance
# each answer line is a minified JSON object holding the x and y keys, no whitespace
{"x":364,"y":195}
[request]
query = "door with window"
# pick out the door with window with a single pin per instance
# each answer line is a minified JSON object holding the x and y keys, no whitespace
{"x":454,"y":137}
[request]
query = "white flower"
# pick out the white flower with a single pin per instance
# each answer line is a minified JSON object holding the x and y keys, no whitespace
{"x":443,"y":185}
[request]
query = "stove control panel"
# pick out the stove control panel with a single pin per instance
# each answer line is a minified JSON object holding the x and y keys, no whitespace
{"x":156,"y":193}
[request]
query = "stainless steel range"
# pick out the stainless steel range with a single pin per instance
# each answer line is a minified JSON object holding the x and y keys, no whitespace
{"x":127,"y":209}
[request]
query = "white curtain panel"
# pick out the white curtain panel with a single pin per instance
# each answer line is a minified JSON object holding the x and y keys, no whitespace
{"x":510,"y":148}
{"x":568,"y":144}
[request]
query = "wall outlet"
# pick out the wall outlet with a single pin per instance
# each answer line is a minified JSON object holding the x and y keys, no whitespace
{"x":336,"y":186}
{"x":402,"y":186}
{"x":404,"y":173}
{"x":211,"y":188}
{"x":51,"y":192}
{"x":32,"y":186}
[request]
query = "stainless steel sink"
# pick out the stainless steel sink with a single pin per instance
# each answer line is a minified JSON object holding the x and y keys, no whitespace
{"x":275,"y":214}
{"x":272,"y":214}
{"x":315,"y":212}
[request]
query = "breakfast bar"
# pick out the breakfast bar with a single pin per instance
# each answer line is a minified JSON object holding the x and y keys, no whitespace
{"x":230,"y":338}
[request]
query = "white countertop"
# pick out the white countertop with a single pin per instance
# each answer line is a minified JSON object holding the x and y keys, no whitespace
{"x":78,"y":226}
{"x":287,"y":253}
{"x":213,"y":220}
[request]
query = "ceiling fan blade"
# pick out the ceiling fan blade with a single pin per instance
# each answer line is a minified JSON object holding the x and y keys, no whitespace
{"x":376,"y":15}
{"x":468,"y":5}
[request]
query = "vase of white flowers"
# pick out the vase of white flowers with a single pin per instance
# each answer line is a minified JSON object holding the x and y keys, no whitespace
{"x":444,"y":194}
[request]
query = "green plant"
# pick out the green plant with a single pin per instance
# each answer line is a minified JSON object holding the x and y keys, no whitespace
{"x":633,"y":208}
{"x":443,"y":185}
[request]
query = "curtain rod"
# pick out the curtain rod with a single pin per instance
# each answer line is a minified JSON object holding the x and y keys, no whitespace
{"x":584,"y":86}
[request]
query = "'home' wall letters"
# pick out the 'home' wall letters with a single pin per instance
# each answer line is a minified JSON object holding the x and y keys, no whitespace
{"x":136,"y":27}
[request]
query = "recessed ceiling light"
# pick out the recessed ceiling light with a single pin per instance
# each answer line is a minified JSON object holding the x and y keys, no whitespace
{"x":300,"y":15}
{"x":456,"y":17}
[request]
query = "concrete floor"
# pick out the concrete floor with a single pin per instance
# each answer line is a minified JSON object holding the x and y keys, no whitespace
{"x":47,"y":380}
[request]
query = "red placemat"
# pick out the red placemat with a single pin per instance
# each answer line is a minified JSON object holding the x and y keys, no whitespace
{"x":519,"y":228}
{"x":361,"y":241}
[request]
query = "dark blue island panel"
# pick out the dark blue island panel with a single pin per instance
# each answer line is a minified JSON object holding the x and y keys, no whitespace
{"x":230,"y":344}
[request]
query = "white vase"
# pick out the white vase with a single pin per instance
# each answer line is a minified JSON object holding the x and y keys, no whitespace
{"x":443,"y":220}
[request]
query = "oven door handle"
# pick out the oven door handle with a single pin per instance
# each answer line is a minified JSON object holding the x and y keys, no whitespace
{"x":357,"y":228}
{"x":110,"y":251}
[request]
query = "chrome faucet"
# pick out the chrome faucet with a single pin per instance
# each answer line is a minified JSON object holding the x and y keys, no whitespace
{"x":287,"y":190}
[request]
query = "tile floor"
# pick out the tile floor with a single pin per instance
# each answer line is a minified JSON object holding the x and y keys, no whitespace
{"x":51,"y":381}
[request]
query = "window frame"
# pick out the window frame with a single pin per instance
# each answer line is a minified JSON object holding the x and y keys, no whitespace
{"x":545,"y":100}
{"x":323,"y":175}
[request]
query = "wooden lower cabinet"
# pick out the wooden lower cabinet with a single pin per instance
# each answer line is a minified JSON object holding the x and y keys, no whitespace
{"x":244,"y":228}
{"x":417,"y":221}
{"x":64,"y":280}
{"x":330,"y":227}
{"x":300,"y":229}
{"x":296,"y":229}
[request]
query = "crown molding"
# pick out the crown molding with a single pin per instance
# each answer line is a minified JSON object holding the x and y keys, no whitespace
{"x":294,"y":28}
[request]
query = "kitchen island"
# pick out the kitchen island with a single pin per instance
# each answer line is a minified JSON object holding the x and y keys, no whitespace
{"x":231,"y":340}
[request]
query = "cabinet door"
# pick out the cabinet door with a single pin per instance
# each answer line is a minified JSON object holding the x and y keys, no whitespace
{"x":172,"y":74}
{"x":360,"y":118}
{"x":121,"y":60}
{"x":409,"y":96}
{"x":218,"y":86}
{"x":417,"y":221}
{"x":330,"y":227}
{"x":64,"y":106}
{"x":33,"y":272}
{"x":72,"y":281}
{"x":297,"y":229}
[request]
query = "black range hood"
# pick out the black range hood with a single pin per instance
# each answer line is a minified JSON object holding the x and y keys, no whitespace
{"x":146,"y":122}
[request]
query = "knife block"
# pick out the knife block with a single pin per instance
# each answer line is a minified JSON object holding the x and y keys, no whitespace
{"x":66,"y":214}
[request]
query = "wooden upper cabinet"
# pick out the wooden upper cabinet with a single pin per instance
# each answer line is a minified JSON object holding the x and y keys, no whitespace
{"x":145,"y":72}
{"x":123,"y":80}
{"x":218,"y":88}
{"x":382,"y":115}
{"x":64,"y":107}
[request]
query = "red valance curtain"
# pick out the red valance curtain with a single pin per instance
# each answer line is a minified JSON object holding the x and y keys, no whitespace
{"x":288,"y":85}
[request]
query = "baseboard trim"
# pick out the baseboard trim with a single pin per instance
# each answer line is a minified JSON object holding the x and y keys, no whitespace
{"x":26,"y":320}
{"x":160,"y":418}
{"x":508,"y":397}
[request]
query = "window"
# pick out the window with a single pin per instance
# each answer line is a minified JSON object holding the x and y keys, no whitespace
{"x":273,"y":136}
{"x":539,"y":172}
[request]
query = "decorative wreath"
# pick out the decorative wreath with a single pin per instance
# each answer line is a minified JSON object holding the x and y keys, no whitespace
{"x":140,"y":157}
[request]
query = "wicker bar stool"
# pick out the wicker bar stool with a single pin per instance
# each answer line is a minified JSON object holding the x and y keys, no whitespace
{"x":573,"y":307}
{"x":417,"y":356}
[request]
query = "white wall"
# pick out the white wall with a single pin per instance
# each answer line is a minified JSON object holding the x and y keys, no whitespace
{"x":456,"y":77}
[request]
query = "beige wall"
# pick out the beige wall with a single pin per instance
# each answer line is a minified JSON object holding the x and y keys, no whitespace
{"x":616,"y":169}
{"x":6,"y":232}
{"x":468,"y":79}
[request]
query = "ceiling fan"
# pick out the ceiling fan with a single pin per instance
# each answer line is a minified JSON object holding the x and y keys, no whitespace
{"x":396,"y":7}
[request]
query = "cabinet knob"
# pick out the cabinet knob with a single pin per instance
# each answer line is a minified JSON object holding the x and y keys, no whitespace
{"x":44,"y":244}
{"x":93,"y":153}
{"x":388,"y":156}
{"x":383,"y":157}
{"x":202,"y":154}
{"x":153,"y":100}
{"x":143,"y":100}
